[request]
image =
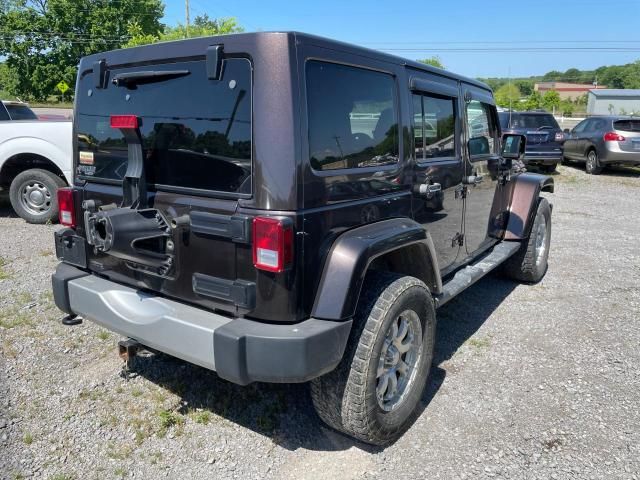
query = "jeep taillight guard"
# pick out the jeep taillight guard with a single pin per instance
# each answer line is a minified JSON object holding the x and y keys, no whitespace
{"x":272,"y":244}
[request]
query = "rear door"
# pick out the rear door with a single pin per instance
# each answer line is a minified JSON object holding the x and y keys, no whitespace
{"x":629,"y":128}
{"x":481,"y":169}
{"x":437,"y":157}
{"x":197,"y":148}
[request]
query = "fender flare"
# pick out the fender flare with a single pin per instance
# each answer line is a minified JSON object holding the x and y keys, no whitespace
{"x":351,"y":254}
{"x":525,"y":191}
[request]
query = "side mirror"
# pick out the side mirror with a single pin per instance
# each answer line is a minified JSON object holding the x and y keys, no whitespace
{"x":513,"y":146}
{"x":566,"y":130}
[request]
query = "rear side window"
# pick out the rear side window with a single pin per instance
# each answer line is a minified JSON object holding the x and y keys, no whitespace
{"x":3,"y":112}
{"x":434,"y":126}
{"x":352,"y":117}
{"x":627,"y":125}
{"x":535,"y":121}
{"x":21,"y":112}
{"x":196,"y":132}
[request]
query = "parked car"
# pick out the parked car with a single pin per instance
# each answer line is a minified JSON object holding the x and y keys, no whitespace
{"x":35,"y":161}
{"x":17,"y":111}
{"x":604,"y":141}
{"x":231,"y":208}
{"x":544,"y":136}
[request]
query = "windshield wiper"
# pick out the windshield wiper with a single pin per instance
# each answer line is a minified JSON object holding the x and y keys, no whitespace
{"x":546,"y":127}
{"x":147,"y":76}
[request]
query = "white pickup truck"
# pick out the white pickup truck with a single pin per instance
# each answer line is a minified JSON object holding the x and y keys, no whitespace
{"x":35,"y":160}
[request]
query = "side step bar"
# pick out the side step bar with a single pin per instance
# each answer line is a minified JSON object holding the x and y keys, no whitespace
{"x":471,"y":274}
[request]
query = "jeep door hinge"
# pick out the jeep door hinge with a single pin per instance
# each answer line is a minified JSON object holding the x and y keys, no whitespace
{"x":458,"y":240}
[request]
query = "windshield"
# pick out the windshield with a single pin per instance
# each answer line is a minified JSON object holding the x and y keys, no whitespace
{"x":196,"y":133}
{"x":20,"y":112}
{"x":627,"y":125}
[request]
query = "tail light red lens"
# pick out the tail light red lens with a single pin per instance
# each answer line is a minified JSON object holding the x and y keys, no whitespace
{"x":124,"y":121}
{"x":559,"y":136}
{"x":272,"y":244}
{"x":613,"y":137}
{"x":66,"y":207}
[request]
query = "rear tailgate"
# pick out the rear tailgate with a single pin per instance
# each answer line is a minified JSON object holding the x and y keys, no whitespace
{"x":185,"y":239}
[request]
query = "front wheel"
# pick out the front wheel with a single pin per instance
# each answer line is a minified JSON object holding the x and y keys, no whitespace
{"x":375,"y":391}
{"x":33,"y":195}
{"x":530,"y":262}
{"x":593,"y":166}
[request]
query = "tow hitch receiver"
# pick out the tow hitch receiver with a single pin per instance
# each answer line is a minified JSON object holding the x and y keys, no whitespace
{"x":127,"y":349}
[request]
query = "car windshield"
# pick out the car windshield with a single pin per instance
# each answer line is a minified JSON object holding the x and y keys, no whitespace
{"x":534,"y":121}
{"x":20,"y":112}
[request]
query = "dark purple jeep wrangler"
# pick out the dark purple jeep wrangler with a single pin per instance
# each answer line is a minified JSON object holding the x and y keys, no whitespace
{"x":279,"y":207}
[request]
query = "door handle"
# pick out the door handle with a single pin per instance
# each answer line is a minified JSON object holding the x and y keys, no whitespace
{"x":473,"y":180}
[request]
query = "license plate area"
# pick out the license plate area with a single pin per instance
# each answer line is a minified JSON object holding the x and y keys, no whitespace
{"x":636,"y":144}
{"x":71,"y":248}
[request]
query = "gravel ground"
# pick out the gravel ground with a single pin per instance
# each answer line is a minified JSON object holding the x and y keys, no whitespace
{"x":528,"y":382}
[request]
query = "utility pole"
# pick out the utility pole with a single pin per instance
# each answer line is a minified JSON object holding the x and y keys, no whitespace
{"x":186,"y":13}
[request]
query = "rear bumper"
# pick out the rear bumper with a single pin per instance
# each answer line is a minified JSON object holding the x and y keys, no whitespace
{"x":542,"y":158}
{"x":612,"y":153}
{"x":238,"y":349}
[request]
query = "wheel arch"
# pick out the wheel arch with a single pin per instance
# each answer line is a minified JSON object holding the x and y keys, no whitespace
{"x":526,"y":189}
{"x":21,"y":162}
{"x":399,"y":245}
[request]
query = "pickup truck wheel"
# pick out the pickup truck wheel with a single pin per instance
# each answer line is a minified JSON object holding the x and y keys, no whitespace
{"x":529,"y":264}
{"x":33,"y":195}
{"x":375,"y":391}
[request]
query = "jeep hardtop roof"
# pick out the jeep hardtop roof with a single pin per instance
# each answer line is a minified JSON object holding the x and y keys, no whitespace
{"x":186,"y":47}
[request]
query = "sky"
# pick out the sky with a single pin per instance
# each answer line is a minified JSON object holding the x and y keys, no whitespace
{"x":472,"y":37}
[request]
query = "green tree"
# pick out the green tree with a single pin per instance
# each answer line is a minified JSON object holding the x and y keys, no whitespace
{"x":43,"y":40}
{"x":551,"y":100}
{"x":525,"y":86}
{"x":508,"y":95}
{"x":434,"y":61}
{"x":533,"y":101}
{"x":567,"y":107}
{"x":203,"y":26}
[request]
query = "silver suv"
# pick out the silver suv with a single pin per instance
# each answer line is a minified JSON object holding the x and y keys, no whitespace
{"x":603,"y":141}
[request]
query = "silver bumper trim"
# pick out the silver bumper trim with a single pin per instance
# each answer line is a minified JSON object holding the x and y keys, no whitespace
{"x":180,"y":330}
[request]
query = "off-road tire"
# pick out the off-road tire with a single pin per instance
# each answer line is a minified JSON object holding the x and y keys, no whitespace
{"x":592,"y":165}
{"x":49,"y":181}
{"x":345,"y":398}
{"x":522,"y":266}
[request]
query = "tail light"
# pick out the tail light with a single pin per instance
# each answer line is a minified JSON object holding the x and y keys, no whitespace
{"x":559,"y":136}
{"x":66,"y":207}
{"x":613,"y":137}
{"x":272,"y":244}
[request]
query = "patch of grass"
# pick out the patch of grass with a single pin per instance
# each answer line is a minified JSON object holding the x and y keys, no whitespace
{"x":14,"y":317}
{"x":168,"y":419}
{"x":119,"y":451}
{"x":90,"y":395}
{"x":103,"y":335}
{"x":8,"y":351}
{"x":46,"y":253}
{"x":202,"y":417}
{"x":62,"y":476}
{"x":3,"y":272}
{"x":24,"y":298}
{"x":120,"y":472}
{"x":479,"y":342}
{"x":27,"y":438}
{"x":155,"y":457}
{"x":136,"y":392}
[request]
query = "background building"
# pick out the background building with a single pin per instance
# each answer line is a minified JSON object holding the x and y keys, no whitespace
{"x":611,"y":101}
{"x":564,"y":89}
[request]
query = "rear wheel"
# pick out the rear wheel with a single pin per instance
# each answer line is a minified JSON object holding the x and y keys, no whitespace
{"x":33,"y":195}
{"x":530,"y":263}
{"x":375,"y":391}
{"x":593,"y":166}
{"x":549,"y":168}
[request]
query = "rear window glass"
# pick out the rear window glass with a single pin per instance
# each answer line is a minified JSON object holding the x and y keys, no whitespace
{"x":196,"y":132}
{"x":3,"y":112}
{"x":352,"y":117}
{"x":534,"y":121}
{"x":627,"y":125}
{"x":21,"y":112}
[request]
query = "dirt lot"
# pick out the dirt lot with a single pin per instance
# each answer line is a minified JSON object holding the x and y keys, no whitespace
{"x":535,"y":381}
